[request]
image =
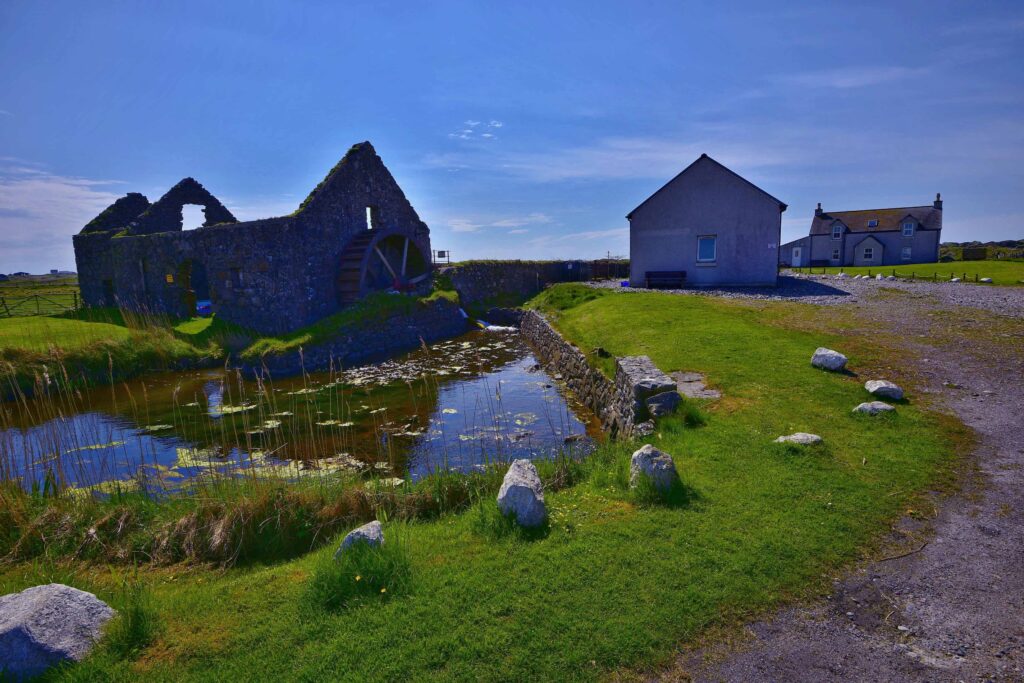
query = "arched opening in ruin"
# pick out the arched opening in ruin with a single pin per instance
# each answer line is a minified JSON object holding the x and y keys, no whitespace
{"x":195,"y":285}
{"x":373,"y":263}
{"x":192,"y":216}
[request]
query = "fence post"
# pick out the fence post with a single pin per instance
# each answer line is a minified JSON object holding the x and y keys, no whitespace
{"x":75,"y":295}
{"x":37,"y":305}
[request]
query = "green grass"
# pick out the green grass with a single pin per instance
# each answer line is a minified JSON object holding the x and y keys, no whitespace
{"x":1001,"y":272}
{"x":38,"y":295}
{"x":39,"y":333}
{"x":615,"y":581}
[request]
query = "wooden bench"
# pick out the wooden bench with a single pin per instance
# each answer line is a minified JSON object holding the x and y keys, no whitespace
{"x":664,"y":279}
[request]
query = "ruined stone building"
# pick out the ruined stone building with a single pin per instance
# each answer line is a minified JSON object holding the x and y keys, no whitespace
{"x":355,"y":233}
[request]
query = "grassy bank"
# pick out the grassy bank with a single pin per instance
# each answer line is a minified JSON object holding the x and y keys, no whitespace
{"x":1002,"y":272}
{"x":615,"y":582}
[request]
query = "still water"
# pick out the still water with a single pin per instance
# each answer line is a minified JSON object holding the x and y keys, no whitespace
{"x":456,"y":405}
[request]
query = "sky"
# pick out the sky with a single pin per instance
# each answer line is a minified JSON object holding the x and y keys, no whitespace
{"x":517,"y":130}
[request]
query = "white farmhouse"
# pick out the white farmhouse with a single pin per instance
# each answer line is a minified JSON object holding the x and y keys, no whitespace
{"x":707,"y":226}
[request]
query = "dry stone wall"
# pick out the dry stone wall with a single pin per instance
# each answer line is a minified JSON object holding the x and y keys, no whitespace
{"x":481,"y":281}
{"x":620,"y":404}
{"x":368,"y":341}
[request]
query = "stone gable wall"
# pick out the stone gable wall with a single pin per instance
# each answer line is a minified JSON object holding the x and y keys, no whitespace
{"x":479,"y":281}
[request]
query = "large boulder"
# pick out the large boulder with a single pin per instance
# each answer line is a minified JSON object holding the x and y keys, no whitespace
{"x":884,"y":389}
{"x":873,"y":408}
{"x":371,"y":534}
{"x":655,"y":465}
{"x":827,"y":359}
{"x":522,"y":494}
{"x":800,"y":438}
{"x":664,"y":403}
{"x":47,"y":625}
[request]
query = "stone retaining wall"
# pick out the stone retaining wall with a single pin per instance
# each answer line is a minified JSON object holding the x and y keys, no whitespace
{"x":620,"y":404}
{"x":368,"y":342}
{"x":480,"y":281}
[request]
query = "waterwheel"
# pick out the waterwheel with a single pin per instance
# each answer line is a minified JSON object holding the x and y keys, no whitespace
{"x":376,"y":261}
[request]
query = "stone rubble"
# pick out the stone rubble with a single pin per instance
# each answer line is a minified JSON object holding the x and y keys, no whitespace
{"x":873,"y":408}
{"x":371,"y":534}
{"x":827,"y":359}
{"x":800,"y":438}
{"x":655,"y":465}
{"x":884,"y":389}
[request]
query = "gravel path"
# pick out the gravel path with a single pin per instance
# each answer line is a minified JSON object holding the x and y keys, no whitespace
{"x":831,"y":290}
{"x":952,"y":609}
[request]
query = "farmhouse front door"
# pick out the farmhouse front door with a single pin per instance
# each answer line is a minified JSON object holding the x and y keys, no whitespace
{"x":797,"y":254}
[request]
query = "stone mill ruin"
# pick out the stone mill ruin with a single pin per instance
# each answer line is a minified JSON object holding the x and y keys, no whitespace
{"x":354,"y":234}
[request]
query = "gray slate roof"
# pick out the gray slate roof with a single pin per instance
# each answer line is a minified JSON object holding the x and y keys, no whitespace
{"x":889,"y":220}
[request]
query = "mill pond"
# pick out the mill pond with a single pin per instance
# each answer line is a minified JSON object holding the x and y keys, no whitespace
{"x":456,"y":405}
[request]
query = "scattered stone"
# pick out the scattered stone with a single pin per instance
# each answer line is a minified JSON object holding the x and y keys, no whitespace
{"x":643,"y":429}
{"x":827,"y":359}
{"x":522,"y":494}
{"x":372,"y":534}
{"x":956,"y":279}
{"x":692,"y":385}
{"x":873,"y":408}
{"x":879,"y":277}
{"x":47,"y":625}
{"x":985,"y":280}
{"x":884,"y":389}
{"x":891,"y":277}
{"x":656,"y":465}
{"x":841,"y":276}
{"x":664,"y":403}
{"x":800,"y":438}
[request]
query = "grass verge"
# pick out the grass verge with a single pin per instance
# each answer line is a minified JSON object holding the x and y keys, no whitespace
{"x":1003,"y":272}
{"x":616,"y":580}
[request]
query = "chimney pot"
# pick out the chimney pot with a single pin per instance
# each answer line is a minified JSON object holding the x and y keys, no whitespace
{"x":818,"y":211}
{"x":938,"y":201}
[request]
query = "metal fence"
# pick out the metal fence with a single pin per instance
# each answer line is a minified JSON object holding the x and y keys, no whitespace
{"x":38,"y":304}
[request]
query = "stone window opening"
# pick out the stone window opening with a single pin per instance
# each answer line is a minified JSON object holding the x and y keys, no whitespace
{"x":236,"y":278}
{"x":192,"y":216}
{"x":372,"y":218}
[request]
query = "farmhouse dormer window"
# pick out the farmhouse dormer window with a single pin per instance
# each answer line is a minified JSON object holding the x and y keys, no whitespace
{"x":873,"y":223}
{"x":908,"y":229}
{"x":869,"y":253}
{"x":837,"y":231}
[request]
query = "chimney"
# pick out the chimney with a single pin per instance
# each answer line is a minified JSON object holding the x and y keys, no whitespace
{"x":818,"y":211}
{"x":938,"y":201}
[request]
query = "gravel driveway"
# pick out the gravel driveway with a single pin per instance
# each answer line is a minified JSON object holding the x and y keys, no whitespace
{"x":950,"y":605}
{"x":831,"y":290}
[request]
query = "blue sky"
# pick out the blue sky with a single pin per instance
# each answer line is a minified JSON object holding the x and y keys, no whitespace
{"x":517,"y":130}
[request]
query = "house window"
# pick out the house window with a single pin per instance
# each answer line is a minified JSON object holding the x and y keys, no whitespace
{"x":905,"y":254}
{"x":873,"y":223}
{"x":706,"y":249}
{"x":837,"y":231}
{"x":835,"y":254}
{"x":908,"y":229}
{"x":869,"y":253}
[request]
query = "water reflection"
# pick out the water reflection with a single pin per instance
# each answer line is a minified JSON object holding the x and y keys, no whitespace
{"x":459,"y":404}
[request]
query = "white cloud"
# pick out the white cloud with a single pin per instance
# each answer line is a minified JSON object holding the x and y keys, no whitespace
{"x":851,"y":77}
{"x":474,"y":131}
{"x":41,"y":211}
{"x":472,"y":124}
{"x":609,"y":236}
{"x":520,"y":231}
{"x":462,"y":224}
{"x":495,"y":124}
{"x":4,"y":112}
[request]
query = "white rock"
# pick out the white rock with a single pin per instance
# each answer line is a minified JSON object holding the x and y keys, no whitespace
{"x":879,"y":277}
{"x":827,"y":359}
{"x":370,"y":534}
{"x":46,"y":625}
{"x":841,"y":276}
{"x":801,"y":438}
{"x":884,"y":389}
{"x":956,"y":279}
{"x":643,"y":429}
{"x":891,"y":277}
{"x":985,"y":279}
{"x":873,"y":408}
{"x":656,"y":465}
{"x":522,"y":494}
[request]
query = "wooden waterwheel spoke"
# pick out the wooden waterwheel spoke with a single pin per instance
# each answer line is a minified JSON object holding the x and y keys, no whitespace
{"x":386,"y":264}
{"x":405,"y":255}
